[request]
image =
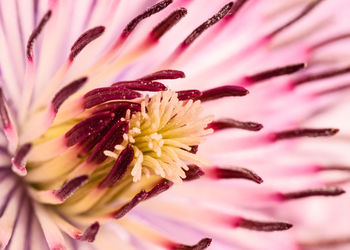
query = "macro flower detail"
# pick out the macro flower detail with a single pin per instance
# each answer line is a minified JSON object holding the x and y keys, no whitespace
{"x":180,"y":125}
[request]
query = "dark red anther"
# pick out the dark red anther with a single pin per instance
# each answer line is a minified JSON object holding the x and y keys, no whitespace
{"x":271,"y":73}
{"x":21,"y":154}
{"x":113,"y":137}
{"x":149,"y":12}
{"x":201,"y":245}
{"x":304,"y":132}
{"x":141,"y":85}
{"x":141,"y":196}
{"x":321,"y":75}
{"x":161,"y":187}
{"x":236,"y":173}
{"x":4,"y":116}
{"x":167,"y":74}
{"x":188,"y":94}
{"x":86,"y":128}
{"x":302,"y":14}
{"x":36,"y":32}
{"x":324,"y":191}
{"x":262,"y":226}
{"x":66,"y":92}
{"x":118,"y":108}
{"x":193,"y":173}
{"x":167,"y":24}
{"x":119,"y":169}
{"x":68,"y":188}
{"x":86,"y":38}
{"x":223,"y":91}
{"x":90,"y":233}
{"x":194,"y":149}
{"x":204,"y":26}
{"x":231,"y":123}
{"x":101,"y":95}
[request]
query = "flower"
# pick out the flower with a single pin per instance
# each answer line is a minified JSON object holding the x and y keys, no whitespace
{"x":101,"y":150}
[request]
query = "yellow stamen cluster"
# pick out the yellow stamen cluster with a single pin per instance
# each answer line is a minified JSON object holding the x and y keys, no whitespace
{"x":162,"y":135}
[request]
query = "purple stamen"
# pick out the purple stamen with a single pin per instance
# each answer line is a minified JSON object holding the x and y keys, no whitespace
{"x":271,"y":73}
{"x":101,"y":95}
{"x":112,"y":138}
{"x":36,"y":32}
{"x":118,"y":108}
{"x":4,"y":116}
{"x":201,"y":245}
{"x":86,"y":38}
{"x":19,"y":159}
{"x":66,"y":92}
{"x":87,"y":127}
{"x":164,"y":75}
{"x":90,"y":233}
{"x":167,"y":23}
{"x":325,"y":191}
{"x":149,"y":12}
{"x":194,"y":149}
{"x":161,"y":187}
{"x":188,"y":94}
{"x":119,"y":169}
{"x":236,"y":173}
{"x":223,"y":91}
{"x":141,"y":196}
{"x":304,"y":132}
{"x":231,"y":123}
{"x":262,"y":226}
{"x":68,"y":188}
{"x":141,"y":85}
{"x":204,"y":26}
{"x":193,"y":173}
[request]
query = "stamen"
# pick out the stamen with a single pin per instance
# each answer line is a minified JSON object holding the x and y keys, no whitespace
{"x":167,"y":24}
{"x":164,"y":75}
{"x":231,"y":123}
{"x":201,"y":245}
{"x":141,"y":85}
{"x":204,"y":26}
{"x":68,"y":189}
{"x":66,"y":92}
{"x":161,"y":187}
{"x":325,"y":191}
{"x":319,"y":76}
{"x":112,"y":138}
{"x":141,"y":196}
{"x":86,"y":38}
{"x":101,"y":95}
{"x":271,"y":73}
{"x":223,"y":91}
{"x":302,"y":14}
{"x":304,"y":132}
{"x":119,"y":169}
{"x":188,"y":94}
{"x":262,"y":226}
{"x":18,"y":161}
{"x":194,"y":149}
{"x":86,"y":128}
{"x":36,"y":33}
{"x":118,"y":108}
{"x":334,"y":89}
{"x":149,"y":12}
{"x":4,"y":116}
{"x":90,"y":233}
{"x":235,"y":173}
{"x":193,"y":173}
